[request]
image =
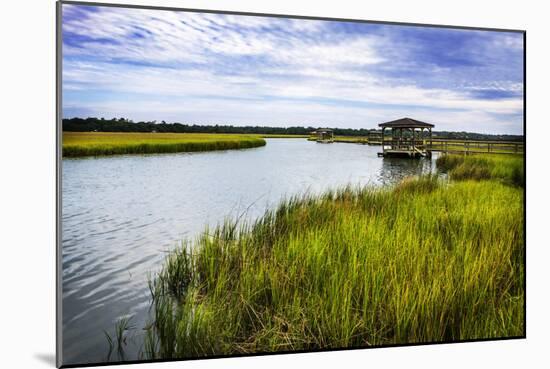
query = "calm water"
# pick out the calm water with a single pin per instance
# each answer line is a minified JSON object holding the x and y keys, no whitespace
{"x":121,"y":214}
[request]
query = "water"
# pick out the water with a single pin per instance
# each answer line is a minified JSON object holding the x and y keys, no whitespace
{"x":121,"y":214}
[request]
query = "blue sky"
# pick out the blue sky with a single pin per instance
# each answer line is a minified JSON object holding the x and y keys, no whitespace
{"x":242,"y":70}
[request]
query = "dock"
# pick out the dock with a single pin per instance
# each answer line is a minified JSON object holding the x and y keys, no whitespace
{"x":324,"y":135}
{"x":408,"y":138}
{"x":465,"y":147}
{"x":411,"y":138}
{"x":476,"y":147}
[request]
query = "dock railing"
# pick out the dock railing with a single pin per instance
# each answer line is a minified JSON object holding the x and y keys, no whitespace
{"x":404,"y":144}
{"x":472,"y":146}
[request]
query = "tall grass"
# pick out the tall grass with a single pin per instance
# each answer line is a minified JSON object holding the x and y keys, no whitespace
{"x":122,"y":327}
{"x":423,"y":261}
{"x":506,"y":168}
{"x":100,"y":143}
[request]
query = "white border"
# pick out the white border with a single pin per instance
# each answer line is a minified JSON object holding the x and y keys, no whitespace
{"x":27,"y":182}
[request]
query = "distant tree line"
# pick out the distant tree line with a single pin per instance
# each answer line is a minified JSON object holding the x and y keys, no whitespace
{"x":127,"y":125}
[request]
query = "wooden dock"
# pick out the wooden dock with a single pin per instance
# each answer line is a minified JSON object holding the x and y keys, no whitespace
{"x":408,"y":138}
{"x":324,"y":135}
{"x":473,"y":147}
{"x":425,"y":146}
{"x":414,"y":139}
{"x":407,"y":148}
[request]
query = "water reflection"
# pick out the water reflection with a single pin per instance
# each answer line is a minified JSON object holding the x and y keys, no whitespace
{"x":395,"y":169}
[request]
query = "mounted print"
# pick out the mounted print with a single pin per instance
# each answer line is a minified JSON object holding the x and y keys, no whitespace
{"x":238,"y":184}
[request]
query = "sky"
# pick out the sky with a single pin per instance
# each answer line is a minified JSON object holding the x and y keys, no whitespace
{"x":201,"y":68}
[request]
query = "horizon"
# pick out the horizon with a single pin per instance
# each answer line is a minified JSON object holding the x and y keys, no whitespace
{"x":268,"y":126}
{"x":179,"y":66}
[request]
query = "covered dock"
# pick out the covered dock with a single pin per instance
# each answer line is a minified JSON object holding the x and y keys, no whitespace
{"x":408,"y":138}
{"x":324,"y":135}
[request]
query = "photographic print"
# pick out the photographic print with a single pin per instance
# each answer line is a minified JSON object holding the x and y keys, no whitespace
{"x":238,"y":184}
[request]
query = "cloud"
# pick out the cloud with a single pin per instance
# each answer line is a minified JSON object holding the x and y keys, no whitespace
{"x":218,"y":68}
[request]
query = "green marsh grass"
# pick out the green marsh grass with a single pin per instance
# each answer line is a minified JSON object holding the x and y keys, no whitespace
{"x":103,"y":143}
{"x":122,"y":327}
{"x":427,"y":260}
{"x":505,"y":168}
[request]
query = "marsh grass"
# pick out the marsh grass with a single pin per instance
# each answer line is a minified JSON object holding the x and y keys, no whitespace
{"x":122,"y":328}
{"x":100,"y":143}
{"x":424,"y":261}
{"x":508,"y":169}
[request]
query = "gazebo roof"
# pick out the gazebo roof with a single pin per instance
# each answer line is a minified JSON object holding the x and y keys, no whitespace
{"x":406,"y":123}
